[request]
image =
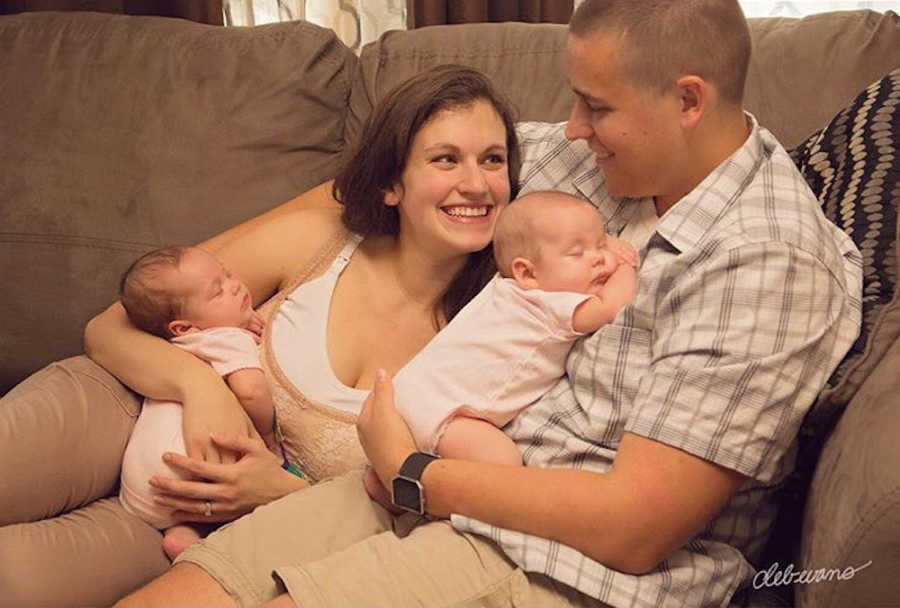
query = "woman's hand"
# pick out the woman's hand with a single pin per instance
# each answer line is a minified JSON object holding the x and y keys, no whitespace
{"x":383,"y":433}
{"x":214,"y":409}
{"x":230,"y":489}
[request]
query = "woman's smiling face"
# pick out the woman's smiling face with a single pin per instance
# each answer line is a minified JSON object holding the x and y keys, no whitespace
{"x":455,"y":181}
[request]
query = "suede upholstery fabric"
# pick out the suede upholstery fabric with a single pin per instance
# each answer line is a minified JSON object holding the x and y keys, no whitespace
{"x":122,"y":134}
{"x":853,"y":510}
{"x":842,"y":53}
{"x":789,"y":100}
{"x":511,"y":54}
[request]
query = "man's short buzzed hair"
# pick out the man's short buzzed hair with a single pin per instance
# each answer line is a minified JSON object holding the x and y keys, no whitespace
{"x":666,"y":39}
{"x":149,"y":304}
{"x":518,"y":227}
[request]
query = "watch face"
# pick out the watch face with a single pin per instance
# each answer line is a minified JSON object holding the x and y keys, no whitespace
{"x":407,"y":494}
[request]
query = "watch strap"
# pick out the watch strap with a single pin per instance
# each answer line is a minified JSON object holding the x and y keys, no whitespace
{"x":414,"y":465}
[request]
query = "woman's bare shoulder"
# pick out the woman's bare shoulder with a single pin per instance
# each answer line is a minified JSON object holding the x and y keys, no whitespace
{"x":269,"y":254}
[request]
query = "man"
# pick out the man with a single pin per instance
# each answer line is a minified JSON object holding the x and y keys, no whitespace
{"x":652,"y":464}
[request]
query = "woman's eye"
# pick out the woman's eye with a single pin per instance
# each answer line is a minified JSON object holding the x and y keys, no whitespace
{"x":445,"y":158}
{"x":497,"y":159}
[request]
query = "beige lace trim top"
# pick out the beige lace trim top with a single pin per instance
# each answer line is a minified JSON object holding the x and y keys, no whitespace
{"x":320,"y":440}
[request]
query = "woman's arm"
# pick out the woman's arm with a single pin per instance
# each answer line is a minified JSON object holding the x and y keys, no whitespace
{"x":315,"y":198}
{"x":152,"y":367}
{"x":264,"y":255}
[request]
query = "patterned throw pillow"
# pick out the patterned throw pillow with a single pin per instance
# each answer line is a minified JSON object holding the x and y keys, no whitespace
{"x":853,"y":167}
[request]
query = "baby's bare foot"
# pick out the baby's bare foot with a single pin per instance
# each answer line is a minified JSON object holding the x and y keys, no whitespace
{"x":178,"y":538}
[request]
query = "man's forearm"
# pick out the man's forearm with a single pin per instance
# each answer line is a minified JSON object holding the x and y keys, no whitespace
{"x":562,"y":505}
{"x":654,"y":500}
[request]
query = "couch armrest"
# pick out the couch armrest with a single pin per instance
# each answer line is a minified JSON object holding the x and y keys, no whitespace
{"x":852,"y":513}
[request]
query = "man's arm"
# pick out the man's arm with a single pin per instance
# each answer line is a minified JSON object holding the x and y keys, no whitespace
{"x":264,"y":258}
{"x":252,"y":390}
{"x":618,"y":292}
{"x":654,"y":499}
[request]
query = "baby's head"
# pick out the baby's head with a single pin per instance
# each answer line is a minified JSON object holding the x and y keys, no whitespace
{"x":553,"y":241}
{"x":178,"y":290}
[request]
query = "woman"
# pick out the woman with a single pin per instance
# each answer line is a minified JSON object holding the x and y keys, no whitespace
{"x":362,"y":285}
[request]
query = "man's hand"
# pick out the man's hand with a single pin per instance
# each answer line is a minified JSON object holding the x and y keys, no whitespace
{"x":383,"y":433}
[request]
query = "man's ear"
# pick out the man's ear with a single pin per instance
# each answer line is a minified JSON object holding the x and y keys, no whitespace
{"x":393,"y":195}
{"x":523,"y":273}
{"x":180,"y":327}
{"x":693,"y":96}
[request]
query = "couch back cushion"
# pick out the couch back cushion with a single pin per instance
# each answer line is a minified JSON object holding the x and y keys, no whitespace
{"x":802,"y":70}
{"x":121,"y":134}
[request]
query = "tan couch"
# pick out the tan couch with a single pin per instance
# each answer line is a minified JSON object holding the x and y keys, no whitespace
{"x":119,"y":134}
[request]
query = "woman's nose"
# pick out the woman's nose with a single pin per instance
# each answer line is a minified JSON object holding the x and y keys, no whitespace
{"x":473,"y":181}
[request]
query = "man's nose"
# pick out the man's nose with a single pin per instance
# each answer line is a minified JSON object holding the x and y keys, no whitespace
{"x":578,"y":126}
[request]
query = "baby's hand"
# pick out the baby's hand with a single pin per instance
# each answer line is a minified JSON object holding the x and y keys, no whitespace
{"x":624,"y":251}
{"x":256,"y":325}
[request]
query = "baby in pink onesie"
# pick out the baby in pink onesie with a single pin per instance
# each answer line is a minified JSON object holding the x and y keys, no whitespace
{"x":184,"y":294}
{"x":560,"y":277}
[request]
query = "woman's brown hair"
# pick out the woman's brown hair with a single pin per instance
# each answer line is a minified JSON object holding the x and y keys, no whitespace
{"x":379,"y":158}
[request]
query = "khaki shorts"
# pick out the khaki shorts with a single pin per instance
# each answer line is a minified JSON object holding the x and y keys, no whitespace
{"x":331,"y":546}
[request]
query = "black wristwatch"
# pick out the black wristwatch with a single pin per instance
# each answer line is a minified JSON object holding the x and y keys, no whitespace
{"x":406,"y":488}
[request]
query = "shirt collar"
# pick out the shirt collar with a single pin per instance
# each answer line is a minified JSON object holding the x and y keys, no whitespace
{"x":686,"y":222}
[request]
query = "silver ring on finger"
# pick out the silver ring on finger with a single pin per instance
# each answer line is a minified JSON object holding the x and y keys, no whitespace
{"x":207,"y":511}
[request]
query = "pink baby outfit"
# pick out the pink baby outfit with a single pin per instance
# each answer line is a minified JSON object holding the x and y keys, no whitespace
{"x":158,"y":428}
{"x":502,"y":351}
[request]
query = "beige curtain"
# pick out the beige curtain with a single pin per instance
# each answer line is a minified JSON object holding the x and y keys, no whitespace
{"x":202,"y":11}
{"x":356,"y":22}
{"x":437,"y":12}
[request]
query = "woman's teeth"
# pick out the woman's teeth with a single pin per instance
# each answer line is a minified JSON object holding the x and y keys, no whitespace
{"x":466,"y":211}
